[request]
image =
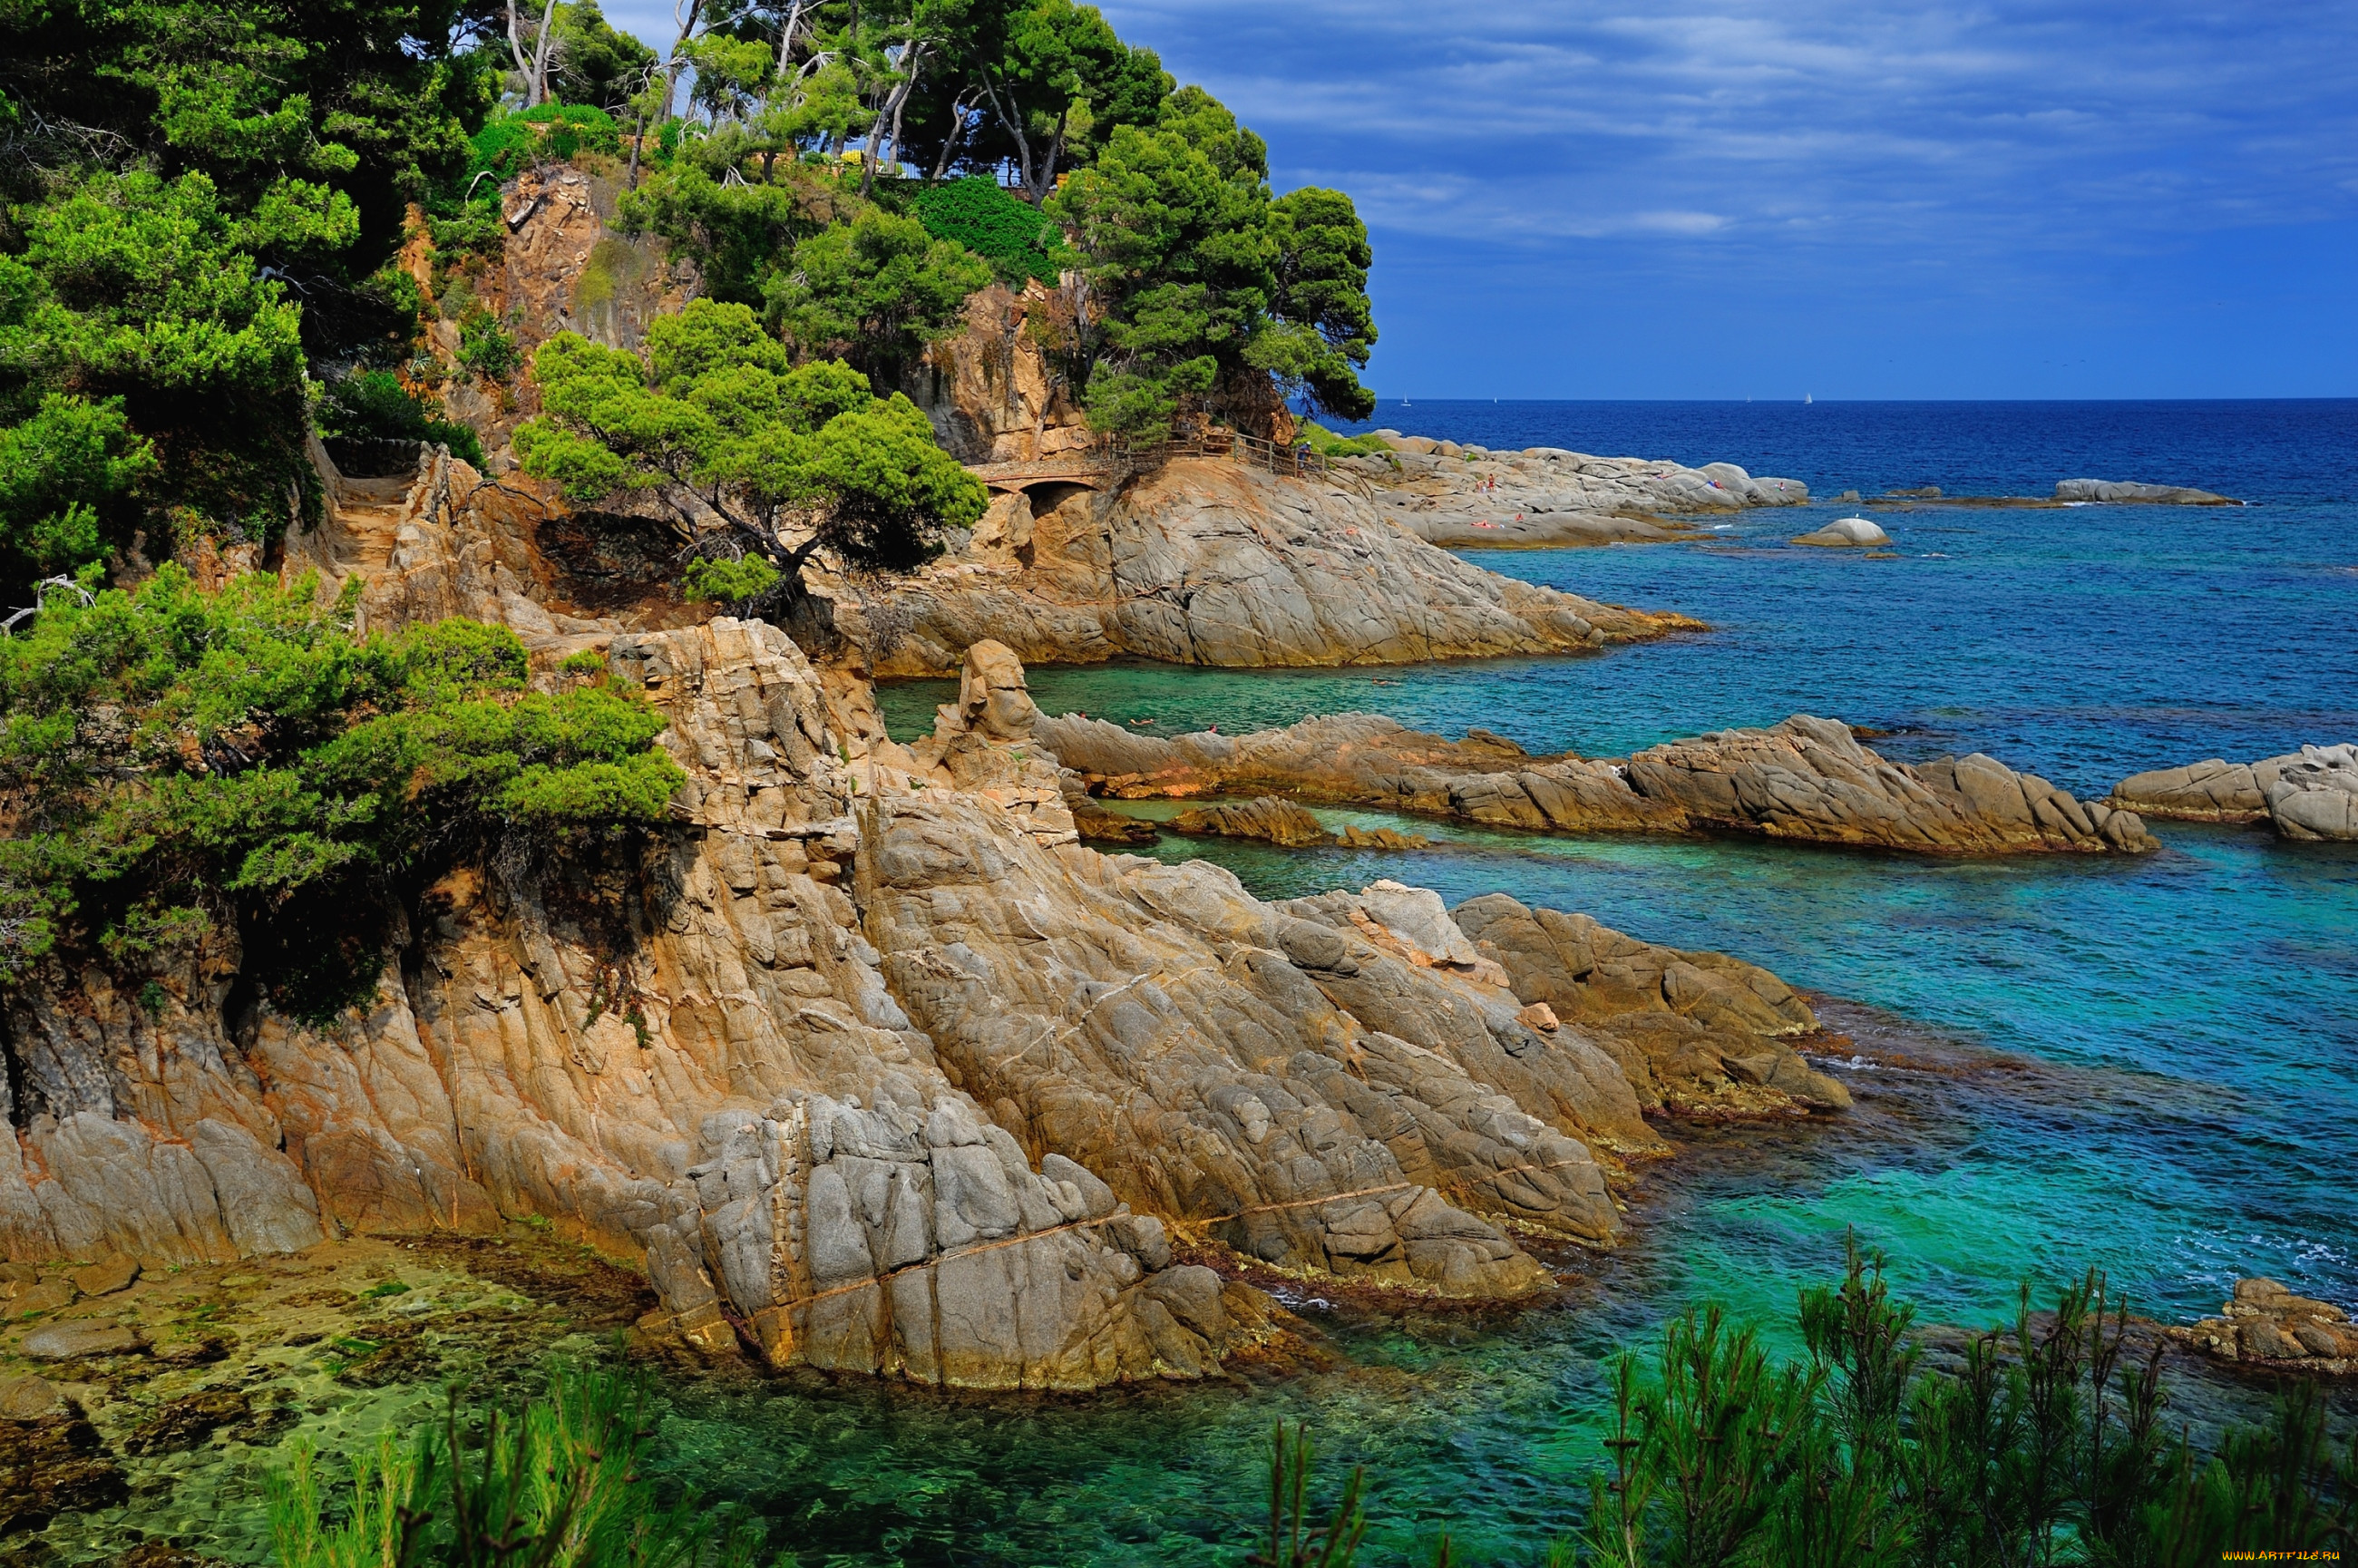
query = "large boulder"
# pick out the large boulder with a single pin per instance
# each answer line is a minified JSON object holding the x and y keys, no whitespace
{"x":1845,"y":533}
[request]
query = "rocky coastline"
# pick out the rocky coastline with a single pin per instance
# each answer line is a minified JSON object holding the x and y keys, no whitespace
{"x":1805,"y":780}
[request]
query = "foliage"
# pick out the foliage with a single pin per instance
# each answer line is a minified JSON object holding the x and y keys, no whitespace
{"x":596,"y":65}
{"x":743,"y":448}
{"x":1197,"y":277}
{"x":181,"y":760}
{"x":200,"y":195}
{"x":875,"y":293}
{"x":979,"y":214}
{"x":1292,"y":1541}
{"x":487,"y":348}
{"x":556,"y":1485}
{"x":2045,"y":1445}
{"x":731,"y":581}
{"x":546,"y":132}
{"x":58,"y":471}
{"x":1326,"y":443}
{"x":374,"y":406}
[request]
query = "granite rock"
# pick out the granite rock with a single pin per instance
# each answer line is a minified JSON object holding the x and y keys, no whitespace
{"x":1471,"y":497}
{"x":1265,"y":818}
{"x":1206,"y":561}
{"x":2266,"y":1324}
{"x":1845,"y":533}
{"x":1805,"y":779}
{"x":2130,"y":491}
{"x":2309,"y":794}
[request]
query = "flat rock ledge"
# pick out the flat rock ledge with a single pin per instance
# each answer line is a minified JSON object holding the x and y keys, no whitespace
{"x":2265,"y":1324}
{"x":2307,"y":795}
{"x":2131,"y":492}
{"x":1548,"y":498}
{"x":1805,"y":780}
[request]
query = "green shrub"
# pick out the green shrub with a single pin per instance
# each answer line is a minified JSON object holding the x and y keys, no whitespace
{"x":374,"y":405}
{"x":733,"y":581}
{"x":487,"y":348}
{"x":556,"y":1485}
{"x":1002,"y":228}
{"x":1326,"y":443}
{"x":185,"y":761}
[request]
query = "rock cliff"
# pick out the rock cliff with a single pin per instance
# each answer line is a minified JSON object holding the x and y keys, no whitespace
{"x":1805,"y":779}
{"x":862,"y":1058}
{"x":1206,"y":561}
{"x":2312,"y":793}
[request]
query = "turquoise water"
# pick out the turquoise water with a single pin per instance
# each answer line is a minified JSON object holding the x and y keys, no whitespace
{"x":2144,"y":1066}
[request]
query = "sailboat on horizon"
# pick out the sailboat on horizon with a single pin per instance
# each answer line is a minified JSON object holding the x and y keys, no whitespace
{"x":1806,"y":398}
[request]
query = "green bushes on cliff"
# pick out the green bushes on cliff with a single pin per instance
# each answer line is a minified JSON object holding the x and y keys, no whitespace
{"x":1019,"y":242}
{"x":176,"y":761}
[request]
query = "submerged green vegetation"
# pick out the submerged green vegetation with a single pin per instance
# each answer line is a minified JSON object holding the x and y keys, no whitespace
{"x":238,"y":768}
{"x":2044,"y":1442}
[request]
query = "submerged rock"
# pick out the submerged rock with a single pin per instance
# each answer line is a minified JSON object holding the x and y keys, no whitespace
{"x":1804,"y":779}
{"x":2107,"y":490}
{"x":2266,"y":1324}
{"x":1266,"y":818}
{"x":1844,"y":533}
{"x":2309,"y":794}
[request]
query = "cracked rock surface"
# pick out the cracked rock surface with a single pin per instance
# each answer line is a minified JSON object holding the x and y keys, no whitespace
{"x":2310,"y":794}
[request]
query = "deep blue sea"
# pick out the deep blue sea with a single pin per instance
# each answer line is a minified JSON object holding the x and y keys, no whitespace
{"x":2149,"y":1066}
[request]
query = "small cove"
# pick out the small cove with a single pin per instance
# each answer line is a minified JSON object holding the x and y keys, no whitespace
{"x":2143,"y":1066}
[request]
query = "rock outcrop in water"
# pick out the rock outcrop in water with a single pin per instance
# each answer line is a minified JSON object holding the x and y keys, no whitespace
{"x":1804,"y":780}
{"x":2130,"y":491}
{"x":2265,"y":1324}
{"x":1464,"y":497}
{"x":1845,"y":533}
{"x":1206,"y":561}
{"x":2309,"y":794}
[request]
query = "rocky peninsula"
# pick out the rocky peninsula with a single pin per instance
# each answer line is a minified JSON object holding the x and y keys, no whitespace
{"x":1545,"y":497}
{"x":1805,"y":780}
{"x":2308,"y":794}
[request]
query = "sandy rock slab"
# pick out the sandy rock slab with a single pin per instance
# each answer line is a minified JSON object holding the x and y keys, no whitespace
{"x":2265,"y":1324}
{"x":1806,"y":780}
{"x":2310,"y":794}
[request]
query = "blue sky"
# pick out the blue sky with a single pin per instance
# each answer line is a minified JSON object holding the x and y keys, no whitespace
{"x":1845,"y":198}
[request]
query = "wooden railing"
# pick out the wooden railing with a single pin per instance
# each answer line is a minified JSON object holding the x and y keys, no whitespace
{"x":1299,"y":462}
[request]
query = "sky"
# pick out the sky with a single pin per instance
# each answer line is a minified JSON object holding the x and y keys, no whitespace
{"x":1846,"y":198}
